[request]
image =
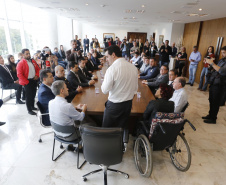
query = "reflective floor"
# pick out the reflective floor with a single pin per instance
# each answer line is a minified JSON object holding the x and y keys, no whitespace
{"x":25,"y":161}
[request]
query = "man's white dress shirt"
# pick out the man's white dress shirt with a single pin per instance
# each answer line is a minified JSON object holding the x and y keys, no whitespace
{"x":120,"y":81}
{"x":180,"y":98}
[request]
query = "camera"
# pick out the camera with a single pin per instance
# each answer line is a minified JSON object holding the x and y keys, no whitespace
{"x":208,"y":57}
{"x":44,"y":55}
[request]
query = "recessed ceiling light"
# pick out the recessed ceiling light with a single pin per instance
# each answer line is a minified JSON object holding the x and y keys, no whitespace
{"x":87,"y":4}
{"x":142,"y":6}
{"x":134,"y":17}
{"x":200,"y":9}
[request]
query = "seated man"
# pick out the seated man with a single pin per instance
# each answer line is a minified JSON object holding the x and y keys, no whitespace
{"x":60,"y":59}
{"x":84,"y":72}
{"x":1,"y":102}
{"x":95,"y":60}
{"x":90,"y":65}
{"x":7,"y":80}
{"x":145,"y":64}
{"x":74,"y":78}
{"x":72,"y":91}
{"x":136,"y":59}
{"x":180,"y":97}
{"x":45,"y":93}
{"x":151,"y":72}
{"x":154,"y":83}
{"x":63,"y":113}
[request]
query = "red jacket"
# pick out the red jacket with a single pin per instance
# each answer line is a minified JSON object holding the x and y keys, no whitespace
{"x":23,"y":71}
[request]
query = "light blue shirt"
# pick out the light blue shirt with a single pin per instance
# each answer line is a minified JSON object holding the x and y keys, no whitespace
{"x":63,"y":113}
{"x":196,"y":57}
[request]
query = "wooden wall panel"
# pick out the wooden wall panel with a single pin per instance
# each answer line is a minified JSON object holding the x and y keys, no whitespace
{"x":191,"y":32}
{"x":210,"y":31}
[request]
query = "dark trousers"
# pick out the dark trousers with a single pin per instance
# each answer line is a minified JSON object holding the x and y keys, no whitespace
{"x":86,"y":48}
{"x":180,"y":65}
{"x":30,"y":89}
{"x":116,"y":114}
{"x":1,"y":102}
{"x":215,"y":95}
{"x":17,"y":87}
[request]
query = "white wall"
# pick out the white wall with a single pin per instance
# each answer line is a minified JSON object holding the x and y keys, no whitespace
{"x":177,"y":33}
{"x":161,"y":29}
{"x":64,"y":31}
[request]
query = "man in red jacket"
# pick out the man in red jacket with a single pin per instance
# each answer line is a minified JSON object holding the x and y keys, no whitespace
{"x":28,"y":74}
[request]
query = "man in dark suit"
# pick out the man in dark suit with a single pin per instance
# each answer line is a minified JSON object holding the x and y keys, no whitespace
{"x":77,"y":41}
{"x":45,"y":93}
{"x":164,"y":52}
{"x":1,"y":102}
{"x":90,"y":65}
{"x":7,"y":80}
{"x":76,"y":80}
{"x":83,"y":70}
{"x":72,"y":53}
{"x":72,"y":90}
{"x":174,"y":50}
{"x":86,"y":44}
{"x":161,"y":78}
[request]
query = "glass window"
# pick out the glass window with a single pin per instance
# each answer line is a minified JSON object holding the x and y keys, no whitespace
{"x":28,"y":30}
{"x":3,"y":45}
{"x":13,"y":10}
{"x":14,"y":31}
{"x":2,"y":9}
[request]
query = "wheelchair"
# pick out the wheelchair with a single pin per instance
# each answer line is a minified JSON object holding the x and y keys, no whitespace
{"x":165,"y":133}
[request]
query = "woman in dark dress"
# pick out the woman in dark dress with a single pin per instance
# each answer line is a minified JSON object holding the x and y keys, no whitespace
{"x":12,"y":68}
{"x":160,"y":105}
{"x":181,"y":59}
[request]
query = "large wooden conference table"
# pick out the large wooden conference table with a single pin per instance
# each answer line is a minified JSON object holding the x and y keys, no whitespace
{"x":96,"y":102}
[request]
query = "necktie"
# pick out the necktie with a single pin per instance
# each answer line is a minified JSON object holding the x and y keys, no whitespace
{"x":78,"y":78}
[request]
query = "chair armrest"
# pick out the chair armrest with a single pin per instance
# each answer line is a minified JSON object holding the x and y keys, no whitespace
{"x":126,"y":136}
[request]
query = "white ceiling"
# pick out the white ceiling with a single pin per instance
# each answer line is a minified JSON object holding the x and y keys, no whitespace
{"x":124,"y":12}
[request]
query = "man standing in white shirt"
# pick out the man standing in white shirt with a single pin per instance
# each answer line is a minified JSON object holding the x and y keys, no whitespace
{"x":121,"y":82}
{"x":180,"y":97}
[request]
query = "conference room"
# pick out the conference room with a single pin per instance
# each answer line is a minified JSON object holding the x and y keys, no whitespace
{"x":112,"y":92}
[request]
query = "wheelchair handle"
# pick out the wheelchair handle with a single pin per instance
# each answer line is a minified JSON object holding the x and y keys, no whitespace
{"x":192,"y":126}
{"x":163,"y":130}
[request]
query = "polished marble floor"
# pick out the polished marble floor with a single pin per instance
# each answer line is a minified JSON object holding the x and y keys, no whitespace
{"x":25,"y":161}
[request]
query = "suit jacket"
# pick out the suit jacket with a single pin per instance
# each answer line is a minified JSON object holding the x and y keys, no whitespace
{"x":91,"y":66}
{"x":84,"y":72}
{"x":95,"y":61}
{"x":159,"y":105}
{"x":5,"y":77}
{"x":141,"y":46}
{"x":174,"y":52}
{"x":71,"y":89}
{"x":71,"y":56}
{"x":155,"y":82}
{"x":74,"y":81}
{"x":44,"y":96}
{"x":151,"y":72}
{"x":85,"y":41}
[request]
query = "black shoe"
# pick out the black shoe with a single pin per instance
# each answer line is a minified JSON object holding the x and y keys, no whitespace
{"x":19,"y":102}
{"x":2,"y":123}
{"x":206,"y":117}
{"x":34,"y":108}
{"x":210,"y":121}
{"x":188,"y":83}
{"x":191,"y":84}
{"x":31,"y":113}
{"x":71,"y":148}
{"x":80,"y":150}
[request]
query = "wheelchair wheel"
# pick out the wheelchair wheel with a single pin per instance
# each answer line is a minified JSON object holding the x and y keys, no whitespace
{"x":180,"y":153}
{"x":143,"y":156}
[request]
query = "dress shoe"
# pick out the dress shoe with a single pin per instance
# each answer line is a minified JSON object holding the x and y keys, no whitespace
{"x":206,"y":117}
{"x":210,"y":121}
{"x":34,"y":108}
{"x":191,"y":84}
{"x":71,"y":148}
{"x":2,"y":123}
{"x":188,"y":83}
{"x":199,"y":89}
{"x":31,"y":113}
{"x":19,"y":102}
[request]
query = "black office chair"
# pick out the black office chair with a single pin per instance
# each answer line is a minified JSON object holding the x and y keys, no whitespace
{"x":44,"y":121}
{"x":66,"y":130}
{"x":11,"y":94}
{"x":103,"y":147}
{"x":185,"y":107}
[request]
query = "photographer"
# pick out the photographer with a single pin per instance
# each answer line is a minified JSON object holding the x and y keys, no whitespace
{"x":72,"y":53}
{"x":125,"y":48}
{"x":217,"y":86}
{"x":46,"y":52}
{"x":164,"y":52}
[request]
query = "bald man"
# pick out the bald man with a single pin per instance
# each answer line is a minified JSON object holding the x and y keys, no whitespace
{"x":180,"y":97}
{"x":60,"y":75}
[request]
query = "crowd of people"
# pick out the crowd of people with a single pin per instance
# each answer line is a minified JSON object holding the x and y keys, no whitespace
{"x":129,"y":60}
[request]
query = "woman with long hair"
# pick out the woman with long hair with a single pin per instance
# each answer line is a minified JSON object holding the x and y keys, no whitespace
{"x":181,"y":59}
{"x":209,"y":55}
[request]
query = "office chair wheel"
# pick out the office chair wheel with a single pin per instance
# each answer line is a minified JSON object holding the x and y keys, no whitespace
{"x":126,"y":176}
{"x":40,"y":140}
{"x":84,"y":179}
{"x":143,"y":156}
{"x":180,"y":153}
{"x":61,"y":146}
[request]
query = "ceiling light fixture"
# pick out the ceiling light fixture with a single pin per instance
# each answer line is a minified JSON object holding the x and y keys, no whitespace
{"x":142,"y":6}
{"x":87,"y":4}
{"x":200,"y":9}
